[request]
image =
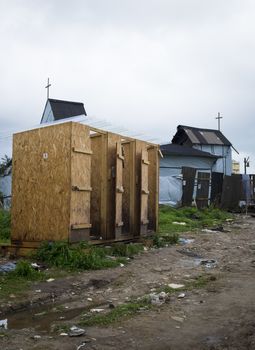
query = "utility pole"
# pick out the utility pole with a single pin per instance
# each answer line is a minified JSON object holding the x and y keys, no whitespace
{"x":219,"y":118}
{"x":246,"y":164}
{"x":48,"y":88}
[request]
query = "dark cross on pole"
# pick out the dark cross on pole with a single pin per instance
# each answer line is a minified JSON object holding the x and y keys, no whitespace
{"x":219,"y":118}
{"x":48,"y":88}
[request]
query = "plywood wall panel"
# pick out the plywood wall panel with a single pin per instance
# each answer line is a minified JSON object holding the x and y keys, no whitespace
{"x":98,"y":182}
{"x":41,"y":179}
{"x":80,"y":181}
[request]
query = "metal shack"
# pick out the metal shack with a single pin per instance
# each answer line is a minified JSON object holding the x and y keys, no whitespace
{"x":74,"y":182}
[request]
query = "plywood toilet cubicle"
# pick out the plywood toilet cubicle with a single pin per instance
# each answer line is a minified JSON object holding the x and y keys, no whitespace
{"x":73,"y":182}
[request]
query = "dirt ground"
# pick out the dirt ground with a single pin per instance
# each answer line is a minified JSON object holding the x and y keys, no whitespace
{"x":220,"y":315}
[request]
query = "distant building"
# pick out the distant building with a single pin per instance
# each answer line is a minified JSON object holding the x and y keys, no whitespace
{"x":207,"y":140}
{"x":175,"y":157}
{"x":235,"y":167}
{"x":59,"y":109}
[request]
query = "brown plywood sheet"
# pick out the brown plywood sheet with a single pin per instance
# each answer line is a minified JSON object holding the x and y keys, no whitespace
{"x":41,"y":184}
{"x":80,"y":181}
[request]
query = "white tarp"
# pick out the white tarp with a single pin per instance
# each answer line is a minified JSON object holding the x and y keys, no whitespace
{"x":170,"y":190}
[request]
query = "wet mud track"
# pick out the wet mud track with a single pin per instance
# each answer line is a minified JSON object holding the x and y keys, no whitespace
{"x":219,"y":315}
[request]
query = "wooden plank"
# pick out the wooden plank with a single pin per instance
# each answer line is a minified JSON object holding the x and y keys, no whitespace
{"x":119,"y":188}
{"x":144,"y":191}
{"x":231,"y":192}
{"x":111,"y":195}
{"x":79,"y":188}
{"x":80,"y":174}
{"x":129,"y":185}
{"x":188,"y":185}
{"x":153,"y":186}
{"x":202,"y":194}
{"x":80,"y":226}
{"x":216,"y":188}
{"x":83,"y":151}
{"x":98,"y":163}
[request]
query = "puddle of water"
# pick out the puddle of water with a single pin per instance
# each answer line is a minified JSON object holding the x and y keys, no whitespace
{"x":41,"y":318}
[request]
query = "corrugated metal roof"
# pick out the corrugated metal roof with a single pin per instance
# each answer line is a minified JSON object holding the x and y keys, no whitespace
{"x":199,"y":136}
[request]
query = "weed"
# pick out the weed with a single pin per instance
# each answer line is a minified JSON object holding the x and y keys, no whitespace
{"x":198,"y":283}
{"x":80,"y":257}
{"x":192,"y":218}
{"x":160,"y":240}
{"x":26,"y":271}
{"x":128,"y":250}
{"x":119,"y":312}
{"x":17,"y":281}
{"x":5,"y":225}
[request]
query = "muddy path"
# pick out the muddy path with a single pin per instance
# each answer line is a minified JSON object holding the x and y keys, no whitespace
{"x":219,"y":315}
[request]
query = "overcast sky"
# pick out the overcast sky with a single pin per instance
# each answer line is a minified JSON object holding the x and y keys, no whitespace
{"x":145,"y":65}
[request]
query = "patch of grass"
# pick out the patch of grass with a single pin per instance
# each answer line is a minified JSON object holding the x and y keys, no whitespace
{"x":118,"y":313}
{"x":26,"y":271}
{"x":161,"y":240}
{"x":5,"y":225}
{"x":192,"y":217}
{"x":198,"y":283}
{"x":126,"y":250}
{"x":59,"y":328}
{"x":79,"y":257}
{"x":17,"y":281}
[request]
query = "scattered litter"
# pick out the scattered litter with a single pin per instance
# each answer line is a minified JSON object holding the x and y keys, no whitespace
{"x":179,"y":223}
{"x":177,"y":318}
{"x":185,"y":240}
{"x":8,"y":267}
{"x":189,"y":252}
{"x":89,"y":299}
{"x":158,"y":299}
{"x":209,"y":263}
{"x":38,"y":291}
{"x":76,"y":331}
{"x":182,"y":295}
{"x":175,"y":285}
{"x":145,"y":249}
{"x":122,"y":265}
{"x":4,"y":323}
{"x":35,"y":266}
{"x":63,"y":334}
{"x":50,"y":280}
{"x":40,"y":313}
{"x":81,"y":346}
{"x":96,"y":310}
{"x":208,"y":231}
{"x":36,"y":337}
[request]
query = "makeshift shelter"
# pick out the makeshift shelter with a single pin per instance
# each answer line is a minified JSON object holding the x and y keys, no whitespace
{"x":207,"y":140}
{"x":73,"y":182}
{"x":177,"y":168}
